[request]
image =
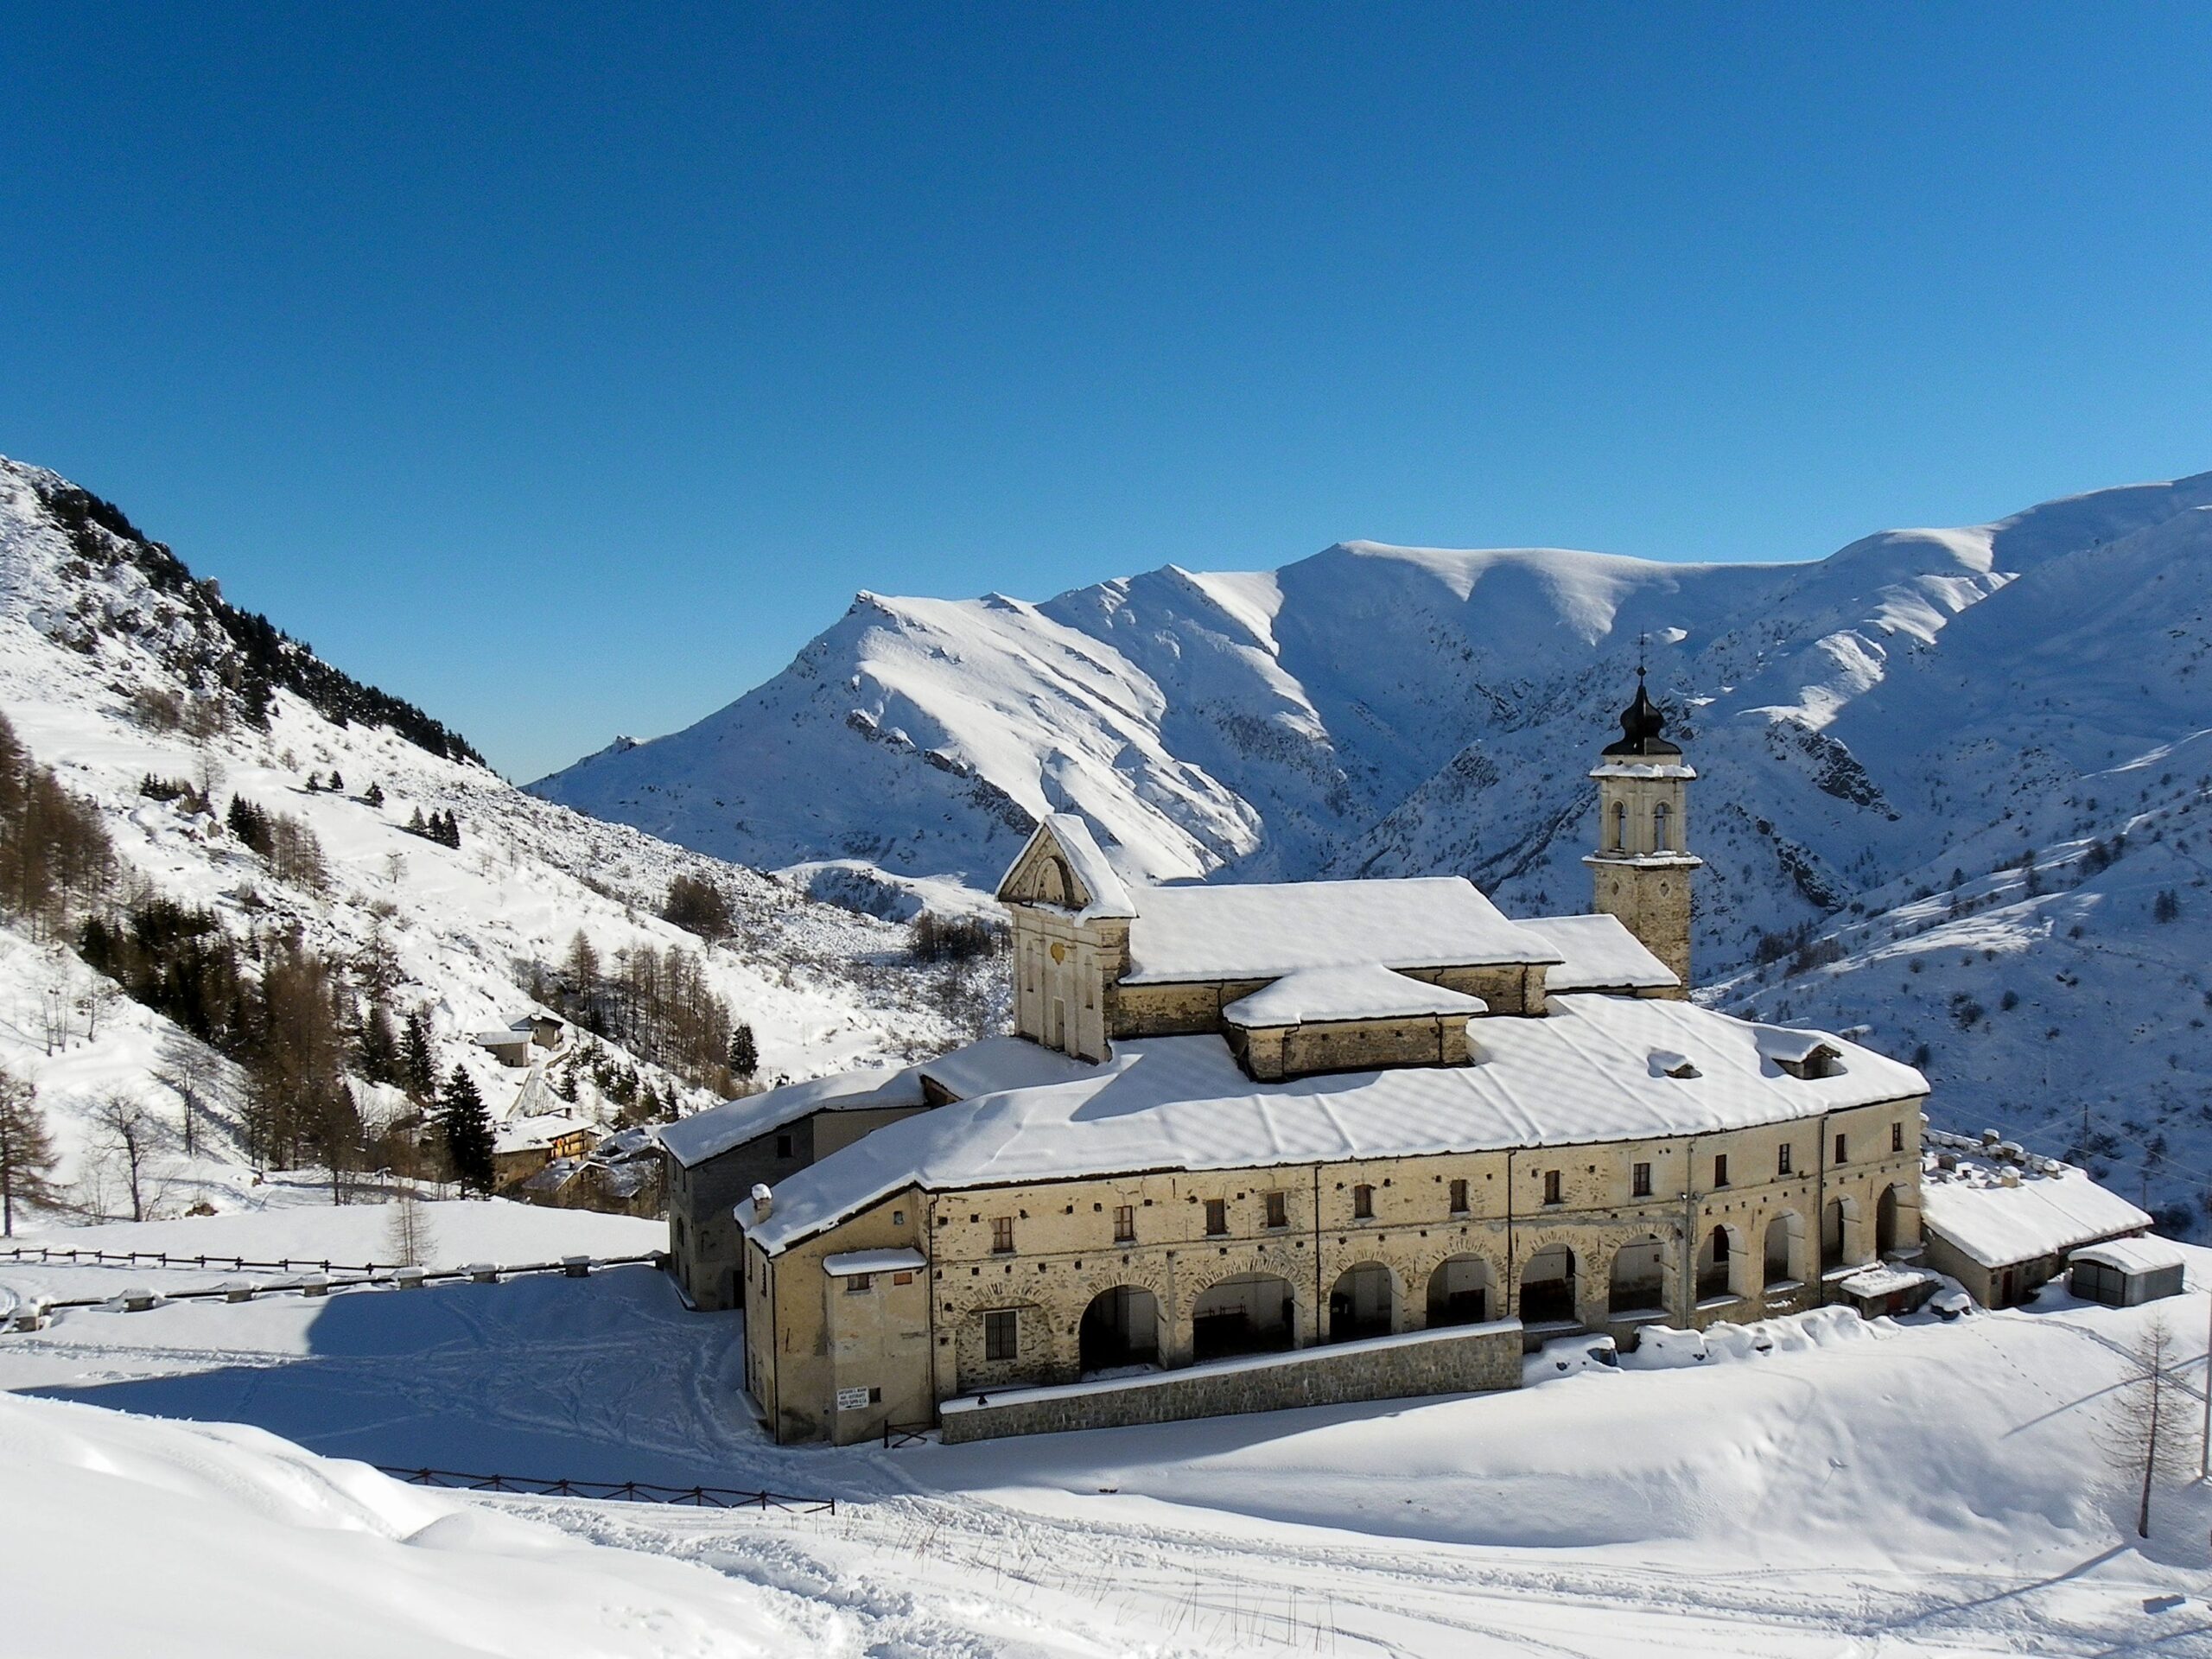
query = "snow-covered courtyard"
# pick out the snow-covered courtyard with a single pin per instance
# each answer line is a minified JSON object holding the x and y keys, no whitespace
{"x":1920,"y":1487}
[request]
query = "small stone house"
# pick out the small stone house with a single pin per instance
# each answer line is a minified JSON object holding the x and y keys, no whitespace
{"x":2003,"y":1221}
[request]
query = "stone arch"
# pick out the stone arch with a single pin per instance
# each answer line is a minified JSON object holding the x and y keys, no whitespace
{"x":1244,"y":1313}
{"x":1720,"y":1264}
{"x":1548,"y":1287}
{"x":1120,"y":1326}
{"x":1784,"y":1258}
{"x":1363,"y":1302}
{"x":1461,"y":1290}
{"x":1659,"y":828}
{"x":1841,"y":1245}
{"x":1620,"y":826}
{"x":1897,"y":1219}
{"x":1638,"y":1280}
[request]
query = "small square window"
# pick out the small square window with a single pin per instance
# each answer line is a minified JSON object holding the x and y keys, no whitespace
{"x":1001,"y":1335}
{"x":1552,"y":1186}
{"x":1216,"y":1215}
{"x":1125,"y":1223}
{"x":1639,"y":1182}
{"x":1458,"y":1198}
{"x":859,"y":1284}
{"x":1002,"y":1235}
{"x":898,"y":1217}
{"x":1362,"y":1202}
{"x":784,"y":1146}
{"x":1278,"y":1210}
{"x":902,"y":1278}
{"x":1783,"y":1157}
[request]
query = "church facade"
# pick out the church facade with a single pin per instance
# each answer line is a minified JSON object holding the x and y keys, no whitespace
{"x":1281,"y":1116}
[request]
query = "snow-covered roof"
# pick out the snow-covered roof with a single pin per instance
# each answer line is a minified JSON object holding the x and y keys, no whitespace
{"x":1885,"y":1279}
{"x":858,"y":1261}
{"x":503,"y":1038}
{"x":1362,"y":991}
{"x":692,"y":1140}
{"x":2055,"y":1209}
{"x":1643,"y":769}
{"x":1265,"y":931}
{"x":1110,"y":897}
{"x":999,"y":1063}
{"x":1599,"y":954}
{"x":527,"y":1134}
{"x":2144,"y":1255}
{"x":1579,"y":1074}
{"x":994,"y":1065}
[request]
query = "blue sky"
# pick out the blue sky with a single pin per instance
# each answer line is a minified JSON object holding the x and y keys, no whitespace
{"x":565,"y":371}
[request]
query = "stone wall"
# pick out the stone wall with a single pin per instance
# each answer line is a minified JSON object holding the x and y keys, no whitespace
{"x":1470,"y":1360}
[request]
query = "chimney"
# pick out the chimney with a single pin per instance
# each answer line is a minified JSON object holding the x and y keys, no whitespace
{"x":763,"y":1201}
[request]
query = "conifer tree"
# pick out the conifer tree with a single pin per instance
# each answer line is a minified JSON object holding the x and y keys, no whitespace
{"x":744,"y":1052}
{"x":467,"y":1128}
{"x":378,"y":1050}
{"x":27,"y":1156}
{"x":419,"y":1060}
{"x":337,"y":782}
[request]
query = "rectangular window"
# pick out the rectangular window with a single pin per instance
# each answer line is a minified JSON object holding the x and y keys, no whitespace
{"x":1639,"y":1182}
{"x":1551,"y":1186}
{"x":1362,"y":1202}
{"x":1216,"y":1215}
{"x":783,"y":1146}
{"x":902,"y":1278}
{"x":1000,"y":1336}
{"x":1839,"y":1157}
{"x":1783,"y":1158}
{"x":1125,"y":1223}
{"x":859,"y":1284}
{"x":1897,"y":1137}
{"x":1278,"y":1210}
{"x":1458,"y":1198}
{"x":1002,"y":1235}
{"x":1720,"y":1169}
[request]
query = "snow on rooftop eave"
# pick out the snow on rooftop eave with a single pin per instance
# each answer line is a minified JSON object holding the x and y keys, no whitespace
{"x":1109,"y":896}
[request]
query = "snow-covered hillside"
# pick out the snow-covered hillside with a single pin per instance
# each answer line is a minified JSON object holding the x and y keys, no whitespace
{"x":116,"y":667}
{"x":1815,"y":1486}
{"x":1919,"y":702}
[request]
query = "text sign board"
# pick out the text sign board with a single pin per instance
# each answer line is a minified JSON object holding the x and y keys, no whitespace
{"x":852,"y":1399}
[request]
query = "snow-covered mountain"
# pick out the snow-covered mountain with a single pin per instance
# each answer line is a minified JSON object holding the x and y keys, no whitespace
{"x":1920,"y":702}
{"x":117,"y":667}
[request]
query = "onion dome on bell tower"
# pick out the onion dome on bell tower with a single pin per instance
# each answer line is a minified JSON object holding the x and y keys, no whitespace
{"x":1642,"y":726}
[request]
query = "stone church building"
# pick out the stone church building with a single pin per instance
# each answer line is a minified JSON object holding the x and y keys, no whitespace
{"x":1377,"y":1118}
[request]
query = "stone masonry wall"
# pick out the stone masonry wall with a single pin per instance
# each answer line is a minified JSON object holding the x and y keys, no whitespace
{"x":1473,"y":1359}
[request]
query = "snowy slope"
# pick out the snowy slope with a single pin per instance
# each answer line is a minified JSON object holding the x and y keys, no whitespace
{"x":1919,"y":702}
{"x":1816,"y":1486}
{"x":82,"y":639}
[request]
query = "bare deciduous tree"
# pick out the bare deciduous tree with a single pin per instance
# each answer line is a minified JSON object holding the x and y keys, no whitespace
{"x":94,"y":1002}
{"x":129,"y":1131}
{"x":2146,"y":1435}
{"x":192,"y":1070}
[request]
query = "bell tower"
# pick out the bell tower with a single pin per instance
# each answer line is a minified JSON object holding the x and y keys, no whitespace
{"x":1642,"y":866}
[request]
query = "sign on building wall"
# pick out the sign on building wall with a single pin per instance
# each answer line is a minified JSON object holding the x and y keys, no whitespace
{"x":852,"y":1399}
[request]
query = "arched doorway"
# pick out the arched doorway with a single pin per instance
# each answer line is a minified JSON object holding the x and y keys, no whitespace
{"x":1839,"y":1243}
{"x":1459,"y":1291}
{"x":1785,"y":1249}
{"x":1120,"y":1328}
{"x":1251,"y":1313}
{"x":1548,"y":1287}
{"x":1639,"y":1282}
{"x":1888,"y":1221}
{"x":1715,"y":1265}
{"x":1364,"y":1303}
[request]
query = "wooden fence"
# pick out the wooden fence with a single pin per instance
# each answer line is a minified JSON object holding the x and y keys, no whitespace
{"x":365,"y":1275}
{"x":626,"y":1491}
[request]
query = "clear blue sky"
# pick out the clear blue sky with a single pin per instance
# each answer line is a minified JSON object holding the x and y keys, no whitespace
{"x":564,"y":373}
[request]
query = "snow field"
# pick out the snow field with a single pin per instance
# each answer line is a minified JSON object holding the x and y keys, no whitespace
{"x":1897,"y":1488}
